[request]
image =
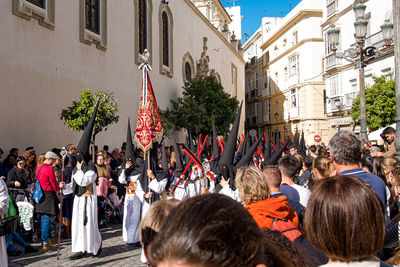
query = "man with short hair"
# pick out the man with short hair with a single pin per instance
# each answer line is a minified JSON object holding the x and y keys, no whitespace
{"x":294,"y":152}
{"x":312,"y":151}
{"x":345,"y":153}
{"x":289,"y":167}
{"x":71,"y":154}
{"x":389,"y":135}
{"x":48,"y":208}
{"x":274,"y":179}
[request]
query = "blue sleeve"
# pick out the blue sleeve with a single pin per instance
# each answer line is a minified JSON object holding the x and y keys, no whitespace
{"x":391,"y":235}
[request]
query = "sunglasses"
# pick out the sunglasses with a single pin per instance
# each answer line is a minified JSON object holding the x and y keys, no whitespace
{"x":21,"y":164}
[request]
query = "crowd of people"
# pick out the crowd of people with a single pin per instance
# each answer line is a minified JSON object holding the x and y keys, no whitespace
{"x":248,"y":203}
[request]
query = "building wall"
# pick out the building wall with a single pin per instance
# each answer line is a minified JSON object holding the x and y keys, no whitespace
{"x":342,"y":78}
{"x":293,"y":56}
{"x":43,"y":70}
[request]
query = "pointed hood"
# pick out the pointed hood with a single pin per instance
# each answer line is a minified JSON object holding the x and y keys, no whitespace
{"x":241,"y":151}
{"x":296,"y":139}
{"x":278,"y":140}
{"x":248,"y":144}
{"x":191,"y":145}
{"x":129,"y":146}
{"x":164,"y":159}
{"x":179,"y":164}
{"x":249,"y":154}
{"x":267,"y":152}
{"x":302,"y":146}
{"x":215,"y":147}
{"x":276,"y":156}
{"x":230,"y":146}
{"x":84,"y":144}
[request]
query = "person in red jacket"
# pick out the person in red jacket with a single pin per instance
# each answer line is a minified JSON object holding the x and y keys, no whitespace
{"x":49,"y":205}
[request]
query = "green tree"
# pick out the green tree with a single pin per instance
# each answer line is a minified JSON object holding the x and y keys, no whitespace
{"x":203,"y":99}
{"x":380,"y":101}
{"x":77,"y":115}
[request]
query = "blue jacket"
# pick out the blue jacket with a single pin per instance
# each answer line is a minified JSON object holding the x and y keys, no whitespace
{"x":377,"y":184}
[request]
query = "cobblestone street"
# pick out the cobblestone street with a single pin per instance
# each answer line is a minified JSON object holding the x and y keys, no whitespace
{"x":115,"y":253}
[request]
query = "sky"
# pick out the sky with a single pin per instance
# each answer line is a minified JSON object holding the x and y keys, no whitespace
{"x":253,"y":10}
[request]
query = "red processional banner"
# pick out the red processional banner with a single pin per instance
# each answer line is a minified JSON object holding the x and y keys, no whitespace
{"x":148,"y":125}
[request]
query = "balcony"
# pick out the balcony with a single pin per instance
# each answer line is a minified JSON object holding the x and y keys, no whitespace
{"x":253,"y":94}
{"x":331,"y":7}
{"x":336,"y":104}
{"x":349,"y":99}
{"x":375,"y":40}
{"x":331,"y":61}
{"x":294,"y":112}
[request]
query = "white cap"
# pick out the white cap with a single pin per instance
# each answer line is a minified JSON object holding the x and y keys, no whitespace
{"x":51,"y":155}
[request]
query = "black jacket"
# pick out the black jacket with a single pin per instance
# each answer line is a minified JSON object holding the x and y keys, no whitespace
{"x":15,"y":175}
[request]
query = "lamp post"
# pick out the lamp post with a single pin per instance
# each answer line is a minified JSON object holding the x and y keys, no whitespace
{"x":396,"y":22}
{"x":359,"y":55}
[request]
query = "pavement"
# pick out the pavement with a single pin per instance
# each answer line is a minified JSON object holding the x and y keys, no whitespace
{"x":115,"y":253}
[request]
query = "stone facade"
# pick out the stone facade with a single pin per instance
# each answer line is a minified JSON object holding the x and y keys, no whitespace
{"x":47,"y":61}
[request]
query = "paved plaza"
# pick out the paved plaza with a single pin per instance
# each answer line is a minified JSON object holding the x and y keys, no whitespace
{"x":115,"y":253}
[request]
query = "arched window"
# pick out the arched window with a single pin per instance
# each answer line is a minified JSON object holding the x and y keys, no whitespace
{"x":142,"y":25}
{"x":143,"y":29}
{"x":165,"y":39}
{"x":188,"y":71}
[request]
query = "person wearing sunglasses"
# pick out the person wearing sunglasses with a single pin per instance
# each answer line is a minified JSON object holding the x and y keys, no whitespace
{"x":18,"y":176}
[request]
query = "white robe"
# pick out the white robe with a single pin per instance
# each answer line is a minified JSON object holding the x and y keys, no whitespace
{"x":180,"y":192}
{"x":3,"y":210}
{"x":227,"y":191}
{"x":194,"y":187}
{"x":85,"y":238}
{"x":132,"y":209}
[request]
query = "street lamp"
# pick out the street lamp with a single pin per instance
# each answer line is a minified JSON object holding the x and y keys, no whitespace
{"x":276,"y":115}
{"x":359,"y":55}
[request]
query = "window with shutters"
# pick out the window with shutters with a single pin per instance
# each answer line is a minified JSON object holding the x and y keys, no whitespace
{"x":93,"y":23}
{"x":42,"y":10}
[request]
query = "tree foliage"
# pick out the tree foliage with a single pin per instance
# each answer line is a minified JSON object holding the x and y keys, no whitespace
{"x":203,"y":99}
{"x":77,"y":115}
{"x":380,"y":101}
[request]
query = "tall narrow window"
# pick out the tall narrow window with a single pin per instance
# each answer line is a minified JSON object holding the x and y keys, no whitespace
{"x":93,"y":23}
{"x":142,"y":25}
{"x":92,"y":15}
{"x":165,"y":20}
{"x":165,"y":37}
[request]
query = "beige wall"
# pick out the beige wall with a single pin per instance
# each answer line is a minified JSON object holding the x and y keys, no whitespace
{"x":43,"y":70}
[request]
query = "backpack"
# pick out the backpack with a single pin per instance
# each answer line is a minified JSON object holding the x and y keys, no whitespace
{"x":102,"y":187}
{"x":38,"y":191}
{"x":286,"y":227}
